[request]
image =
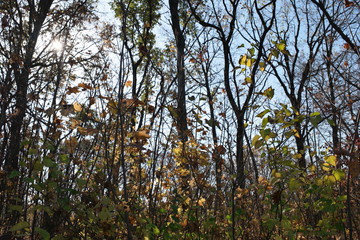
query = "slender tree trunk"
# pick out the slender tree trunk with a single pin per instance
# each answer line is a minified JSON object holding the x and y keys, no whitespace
{"x":22,"y":82}
{"x":180,"y":47}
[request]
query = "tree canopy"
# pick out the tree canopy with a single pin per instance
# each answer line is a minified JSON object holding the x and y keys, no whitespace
{"x":179,"y":119}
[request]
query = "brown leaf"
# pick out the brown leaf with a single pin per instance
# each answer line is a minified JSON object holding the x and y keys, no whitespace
{"x":143,"y":134}
{"x":354,"y":167}
{"x":129,"y":102}
{"x":85,"y":86}
{"x":220,"y":149}
{"x":72,"y":90}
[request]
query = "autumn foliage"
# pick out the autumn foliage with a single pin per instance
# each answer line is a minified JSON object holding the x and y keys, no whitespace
{"x":179,"y":120}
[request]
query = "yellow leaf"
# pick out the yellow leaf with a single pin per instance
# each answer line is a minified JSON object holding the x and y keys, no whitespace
{"x":329,"y":179}
{"x":277,"y":175}
{"x":248,"y":80}
{"x":77,"y":107}
{"x":248,"y":62}
{"x":312,"y":168}
{"x":243,"y":60}
{"x":326,"y":167}
{"x":262,"y":66}
{"x":331,"y":160}
{"x":296,"y":133}
{"x":281,"y":46}
{"x":201,"y":202}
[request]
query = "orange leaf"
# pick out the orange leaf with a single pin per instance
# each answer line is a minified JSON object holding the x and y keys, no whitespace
{"x":192,"y":60}
{"x":128,"y":83}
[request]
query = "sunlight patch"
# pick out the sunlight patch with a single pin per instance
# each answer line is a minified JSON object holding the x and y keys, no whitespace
{"x":57,"y":45}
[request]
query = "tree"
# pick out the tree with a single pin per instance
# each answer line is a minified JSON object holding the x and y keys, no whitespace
{"x":196,"y":120}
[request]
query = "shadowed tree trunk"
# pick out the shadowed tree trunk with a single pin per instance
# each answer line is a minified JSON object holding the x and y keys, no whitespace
{"x":180,"y":47}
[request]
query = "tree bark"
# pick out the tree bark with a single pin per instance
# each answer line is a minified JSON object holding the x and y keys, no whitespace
{"x":180,"y":47}
{"x":22,"y":83}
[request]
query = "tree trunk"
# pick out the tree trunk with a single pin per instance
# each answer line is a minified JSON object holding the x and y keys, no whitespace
{"x":180,"y":47}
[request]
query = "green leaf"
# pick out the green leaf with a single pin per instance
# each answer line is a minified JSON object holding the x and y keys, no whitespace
{"x":314,"y":114}
{"x":43,"y":233}
{"x":19,"y":226}
{"x":173,"y":111}
{"x":104,"y":215}
{"x":14,"y":174}
{"x":331,"y":122}
{"x":286,"y":52}
{"x":264,"y":122}
{"x":286,"y":224}
{"x":162,"y":210}
{"x":156,"y":230}
{"x":48,"y":162}
{"x":262,"y":114}
{"x":251,"y":51}
{"x":38,"y":166}
{"x":315,"y":118}
{"x":29,"y":180}
{"x":269,"y":93}
{"x":255,"y":139}
{"x":294,"y":184}
{"x":64,"y":158}
{"x":191,"y":98}
{"x":58,"y":237}
{"x":338,"y":174}
{"x":275,"y":53}
{"x":32,"y":151}
{"x":212,"y":122}
{"x":16,"y":208}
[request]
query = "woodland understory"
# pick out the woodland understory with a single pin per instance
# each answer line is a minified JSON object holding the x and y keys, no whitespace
{"x":179,"y":119}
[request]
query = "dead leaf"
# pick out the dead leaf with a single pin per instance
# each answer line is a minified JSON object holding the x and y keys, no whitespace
{"x":128,"y":83}
{"x":72,"y":90}
{"x":220,"y":149}
{"x":85,"y":86}
{"x":354,"y":167}
{"x":77,"y":107}
{"x":143,"y":134}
